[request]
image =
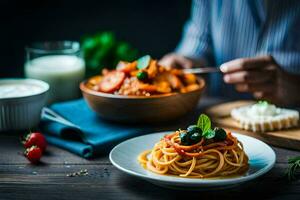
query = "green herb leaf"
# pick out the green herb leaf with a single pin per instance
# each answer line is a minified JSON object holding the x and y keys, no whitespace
{"x":204,"y":123}
{"x":143,"y":62}
{"x":262,"y":103}
{"x":293,"y":168}
{"x":105,"y":50}
{"x":209,"y":134}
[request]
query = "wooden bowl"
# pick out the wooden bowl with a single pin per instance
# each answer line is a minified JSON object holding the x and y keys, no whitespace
{"x":137,"y":109}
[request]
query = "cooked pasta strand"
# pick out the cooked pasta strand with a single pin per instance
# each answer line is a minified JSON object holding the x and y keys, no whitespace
{"x":168,"y":156}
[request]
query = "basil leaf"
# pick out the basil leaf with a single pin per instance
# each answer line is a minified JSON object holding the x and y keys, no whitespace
{"x":204,"y":123}
{"x":209,"y":134}
{"x":263,"y":103}
{"x":143,"y":62}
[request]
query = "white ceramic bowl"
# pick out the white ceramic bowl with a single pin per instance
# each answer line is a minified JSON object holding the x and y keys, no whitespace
{"x":21,"y":102}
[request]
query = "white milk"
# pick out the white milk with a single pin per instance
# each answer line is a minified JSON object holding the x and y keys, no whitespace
{"x":62,"y":72}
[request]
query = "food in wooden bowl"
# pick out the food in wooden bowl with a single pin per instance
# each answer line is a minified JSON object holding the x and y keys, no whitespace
{"x":142,"y":91}
{"x":262,"y":116}
{"x":144,"y":77}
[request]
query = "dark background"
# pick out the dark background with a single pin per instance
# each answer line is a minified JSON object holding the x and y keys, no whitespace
{"x":153,"y":27}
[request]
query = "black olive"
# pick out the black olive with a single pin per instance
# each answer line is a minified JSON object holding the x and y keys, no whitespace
{"x":195,"y":138}
{"x":183,"y":138}
{"x":193,"y":129}
{"x":220,"y":134}
{"x":194,"y":134}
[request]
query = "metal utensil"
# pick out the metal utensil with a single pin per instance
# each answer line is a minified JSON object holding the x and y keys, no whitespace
{"x":53,"y":116}
{"x":202,"y":70}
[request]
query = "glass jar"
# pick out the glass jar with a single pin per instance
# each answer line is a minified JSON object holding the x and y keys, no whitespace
{"x":60,"y":64}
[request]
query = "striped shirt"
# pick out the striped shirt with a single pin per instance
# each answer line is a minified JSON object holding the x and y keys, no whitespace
{"x":219,"y":31}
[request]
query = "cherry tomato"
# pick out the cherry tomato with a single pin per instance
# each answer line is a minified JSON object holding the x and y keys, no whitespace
{"x":33,"y":154}
{"x":111,"y":81}
{"x":36,"y":139}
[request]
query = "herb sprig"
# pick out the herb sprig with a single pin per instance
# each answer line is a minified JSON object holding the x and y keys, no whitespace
{"x":104,"y":49}
{"x":202,"y":129}
{"x":204,"y":124}
{"x":293,"y":168}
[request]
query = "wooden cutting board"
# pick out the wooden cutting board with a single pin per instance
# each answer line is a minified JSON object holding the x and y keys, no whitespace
{"x":220,"y":116}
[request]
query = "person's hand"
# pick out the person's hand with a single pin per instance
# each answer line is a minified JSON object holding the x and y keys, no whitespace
{"x":176,"y":61}
{"x":264,"y":78}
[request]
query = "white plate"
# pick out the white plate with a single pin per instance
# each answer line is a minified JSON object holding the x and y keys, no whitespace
{"x":124,"y":157}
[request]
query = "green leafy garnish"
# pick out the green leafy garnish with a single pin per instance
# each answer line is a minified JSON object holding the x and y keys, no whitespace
{"x":294,"y":166}
{"x":143,"y":62}
{"x":263,"y":103}
{"x":204,"y":123}
{"x":195,"y":133}
{"x":209,"y":134}
{"x":104,"y":49}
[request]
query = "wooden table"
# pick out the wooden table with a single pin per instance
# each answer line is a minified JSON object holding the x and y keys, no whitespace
{"x":20,"y":180}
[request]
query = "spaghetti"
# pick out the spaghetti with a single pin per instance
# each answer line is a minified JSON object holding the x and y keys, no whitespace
{"x":205,"y":159}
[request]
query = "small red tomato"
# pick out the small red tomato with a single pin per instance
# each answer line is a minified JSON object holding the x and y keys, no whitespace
{"x":36,"y":139}
{"x":33,"y":154}
{"x":112,"y":81}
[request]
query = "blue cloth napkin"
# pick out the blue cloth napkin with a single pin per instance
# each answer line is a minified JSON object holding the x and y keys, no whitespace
{"x":92,"y":135}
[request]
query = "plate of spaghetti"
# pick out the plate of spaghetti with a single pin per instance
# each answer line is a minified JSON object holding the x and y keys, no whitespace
{"x":198,"y":158}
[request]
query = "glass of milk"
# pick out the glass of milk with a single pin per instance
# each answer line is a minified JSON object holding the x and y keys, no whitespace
{"x":60,"y":64}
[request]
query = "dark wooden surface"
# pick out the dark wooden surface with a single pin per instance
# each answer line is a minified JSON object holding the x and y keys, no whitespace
{"x":21,"y":180}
